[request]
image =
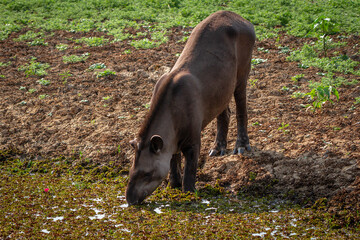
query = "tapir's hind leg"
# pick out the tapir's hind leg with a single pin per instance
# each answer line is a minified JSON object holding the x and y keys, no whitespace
{"x":221,"y":136}
{"x":175,"y":171}
{"x":242,"y":141}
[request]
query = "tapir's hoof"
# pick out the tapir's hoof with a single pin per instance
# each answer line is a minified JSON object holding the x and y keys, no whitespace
{"x":241,"y":150}
{"x":215,"y":152}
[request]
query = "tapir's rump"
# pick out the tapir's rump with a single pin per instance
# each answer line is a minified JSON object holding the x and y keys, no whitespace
{"x":213,"y":67}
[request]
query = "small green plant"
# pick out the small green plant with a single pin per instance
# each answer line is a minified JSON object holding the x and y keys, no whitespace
{"x":75,"y":58}
{"x":34,"y":68}
{"x":298,"y":95}
{"x":44,"y":82}
{"x":127,"y":51}
{"x":285,"y":88}
{"x":32,"y":90}
{"x":38,"y":42}
{"x":323,"y":26}
{"x":284,"y":50}
{"x":283,"y":128}
{"x":106,"y":98}
{"x":256,"y":61}
{"x":253,"y":82}
{"x":2,"y":76}
{"x":65,"y":76}
{"x":357,"y":101}
{"x":105,"y":73}
{"x":296,"y":78}
{"x":144,"y":44}
{"x":2,"y":64}
{"x":62,"y":47}
{"x":93,"y":41}
{"x":43,"y":96}
{"x":264,"y":50}
{"x":29,"y":35}
{"x":322,"y":94}
{"x":97,"y":66}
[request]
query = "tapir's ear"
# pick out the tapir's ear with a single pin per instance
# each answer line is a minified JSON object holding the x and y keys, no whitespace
{"x":156,"y":143}
{"x":133,"y":143}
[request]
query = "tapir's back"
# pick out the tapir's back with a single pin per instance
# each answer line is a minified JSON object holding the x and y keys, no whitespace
{"x":218,"y":50}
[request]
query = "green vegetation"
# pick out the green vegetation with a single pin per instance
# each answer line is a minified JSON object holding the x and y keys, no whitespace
{"x":34,"y":68}
{"x":114,"y":16}
{"x":93,"y":41}
{"x":75,"y":58}
{"x":324,"y":26}
{"x":105,"y":73}
{"x":71,"y":198}
{"x":62,"y":47}
{"x":44,"y":82}
{"x":97,"y":66}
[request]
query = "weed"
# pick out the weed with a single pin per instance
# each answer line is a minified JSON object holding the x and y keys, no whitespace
{"x":144,"y":44}
{"x":298,"y":95}
{"x":2,"y":64}
{"x":2,"y":76}
{"x":93,"y":41}
{"x":44,"y":82}
{"x":34,"y":68}
{"x":29,"y":35}
{"x":38,"y":42}
{"x":284,"y":50}
{"x":261,"y":49}
{"x":62,"y":47}
{"x":22,"y":88}
{"x":106,"y":98}
{"x":105,"y":73}
{"x":75,"y":58}
{"x":256,"y":61}
{"x":283,"y":128}
{"x":357,"y":101}
{"x":65,"y":76}
{"x":296,"y":78}
{"x":127,"y":51}
{"x":322,"y":94}
{"x":285,"y":88}
{"x":97,"y":66}
{"x":253,"y":82}
{"x":43,"y":96}
{"x":32,"y":90}
{"x":323,"y":26}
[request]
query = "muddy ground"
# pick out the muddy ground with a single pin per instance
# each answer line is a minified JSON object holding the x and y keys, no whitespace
{"x":317,"y":155}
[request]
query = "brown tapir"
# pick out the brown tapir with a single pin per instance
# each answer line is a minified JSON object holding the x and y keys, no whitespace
{"x":213,"y":66}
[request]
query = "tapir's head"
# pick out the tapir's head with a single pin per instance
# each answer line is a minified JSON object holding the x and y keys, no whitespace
{"x":150,"y":167}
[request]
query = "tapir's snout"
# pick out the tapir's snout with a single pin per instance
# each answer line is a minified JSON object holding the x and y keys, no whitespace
{"x":132,"y":195}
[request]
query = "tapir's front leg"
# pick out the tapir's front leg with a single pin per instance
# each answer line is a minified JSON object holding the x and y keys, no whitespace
{"x":191,"y":159}
{"x":175,"y":171}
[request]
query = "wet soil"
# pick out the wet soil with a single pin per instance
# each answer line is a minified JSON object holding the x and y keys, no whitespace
{"x":317,"y":155}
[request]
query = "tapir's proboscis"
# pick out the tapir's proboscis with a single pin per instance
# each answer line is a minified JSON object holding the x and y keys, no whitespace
{"x":213,"y":67}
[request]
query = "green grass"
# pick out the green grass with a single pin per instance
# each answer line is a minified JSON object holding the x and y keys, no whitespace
{"x":295,"y":17}
{"x":73,"y":198}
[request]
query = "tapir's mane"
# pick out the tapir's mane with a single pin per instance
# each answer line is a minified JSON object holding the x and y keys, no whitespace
{"x":156,"y":104}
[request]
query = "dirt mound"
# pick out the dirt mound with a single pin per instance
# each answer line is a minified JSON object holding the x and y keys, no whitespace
{"x":315,"y":155}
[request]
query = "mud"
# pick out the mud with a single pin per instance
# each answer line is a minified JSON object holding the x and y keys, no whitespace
{"x":316,"y":155}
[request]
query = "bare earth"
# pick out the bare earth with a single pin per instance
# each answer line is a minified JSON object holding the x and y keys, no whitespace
{"x":317,"y":155}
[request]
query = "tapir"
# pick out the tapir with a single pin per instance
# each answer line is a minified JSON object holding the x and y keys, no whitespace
{"x":213,"y":66}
